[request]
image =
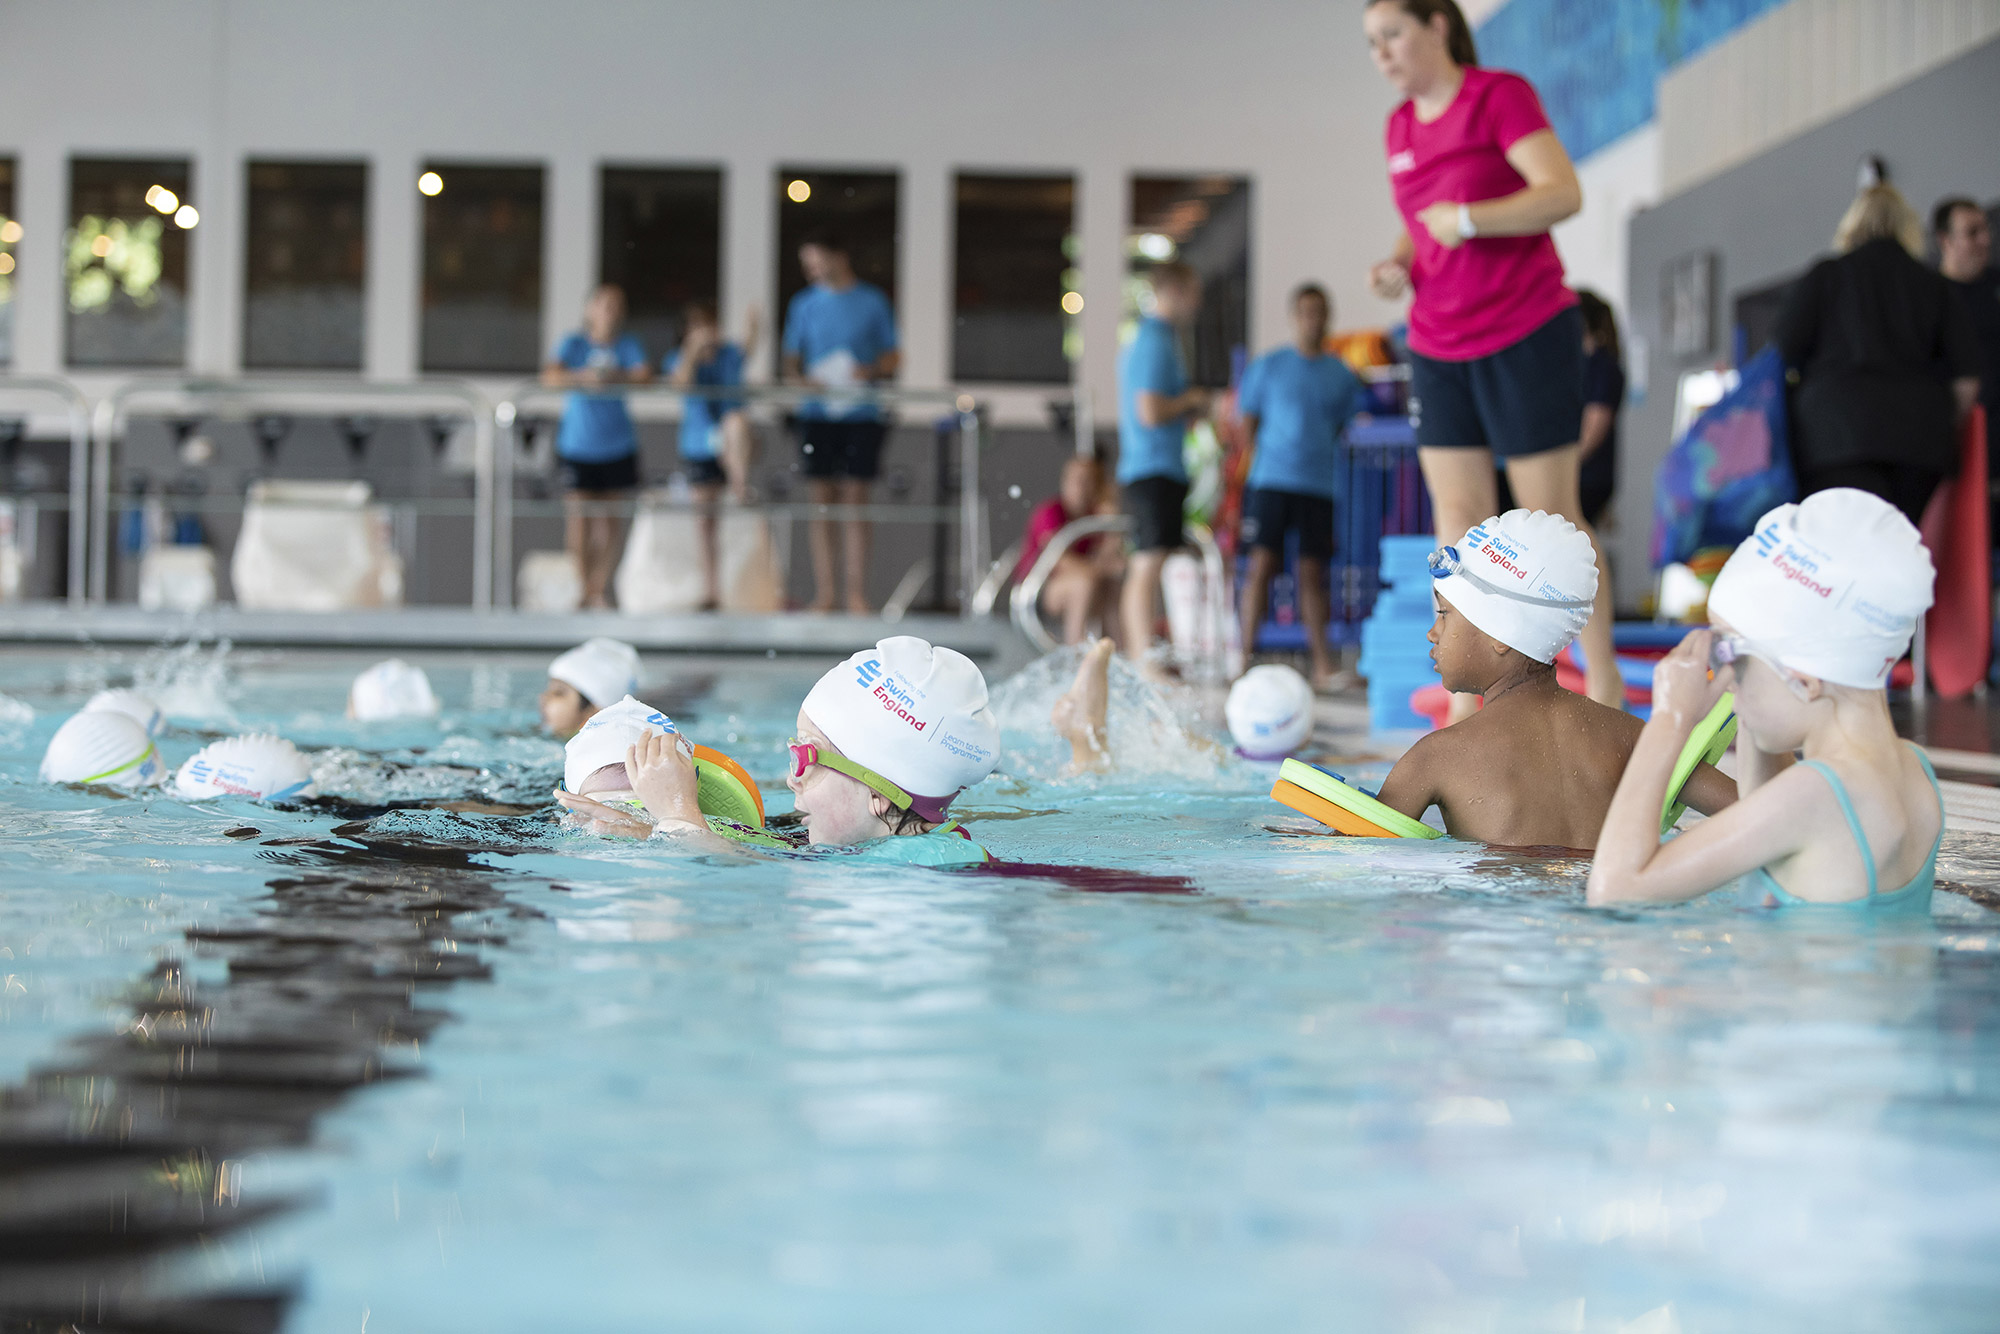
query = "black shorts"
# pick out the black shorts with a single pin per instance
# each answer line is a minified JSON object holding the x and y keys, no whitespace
{"x":1156,"y":505}
{"x":851,"y":449}
{"x":610,"y":475}
{"x":1526,"y":398}
{"x":1269,"y":515}
{"x":703,"y":472}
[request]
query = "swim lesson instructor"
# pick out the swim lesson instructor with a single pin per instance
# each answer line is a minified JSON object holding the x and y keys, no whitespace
{"x":1496,"y":339}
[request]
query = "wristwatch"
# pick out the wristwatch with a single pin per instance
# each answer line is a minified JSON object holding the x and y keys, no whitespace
{"x":1465,"y":227}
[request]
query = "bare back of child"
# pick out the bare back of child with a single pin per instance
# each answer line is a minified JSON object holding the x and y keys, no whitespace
{"x":1538,"y":764}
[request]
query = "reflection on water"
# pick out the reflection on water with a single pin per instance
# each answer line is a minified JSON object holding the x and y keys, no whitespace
{"x":128,"y":1150}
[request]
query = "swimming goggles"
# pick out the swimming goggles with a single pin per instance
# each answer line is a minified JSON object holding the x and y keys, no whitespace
{"x":1446,"y":562}
{"x":805,"y":754}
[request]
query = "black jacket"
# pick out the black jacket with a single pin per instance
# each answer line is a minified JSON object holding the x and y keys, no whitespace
{"x":1876,"y":339}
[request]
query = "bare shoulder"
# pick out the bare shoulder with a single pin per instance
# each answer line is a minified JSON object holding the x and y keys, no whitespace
{"x":1412,"y":785}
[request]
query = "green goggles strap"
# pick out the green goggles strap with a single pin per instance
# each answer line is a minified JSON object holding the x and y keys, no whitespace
{"x":129,"y":764}
{"x":840,"y":764}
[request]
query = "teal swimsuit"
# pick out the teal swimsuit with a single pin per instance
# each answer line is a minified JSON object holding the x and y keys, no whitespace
{"x":1761,"y":891}
{"x":946,"y":848}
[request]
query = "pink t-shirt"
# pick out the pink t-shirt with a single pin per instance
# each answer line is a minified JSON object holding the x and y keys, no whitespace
{"x":1491,"y":292}
{"x":1044,"y":523}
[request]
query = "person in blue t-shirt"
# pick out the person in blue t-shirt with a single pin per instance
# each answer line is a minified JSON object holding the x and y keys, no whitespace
{"x":716,"y":439}
{"x":596,"y":446}
{"x":1295,"y":401}
{"x":839,"y":333}
{"x":1155,"y":408}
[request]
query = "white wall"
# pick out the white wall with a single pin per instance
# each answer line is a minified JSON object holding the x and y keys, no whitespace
{"x":1280,"y":90}
{"x":1618,"y":180}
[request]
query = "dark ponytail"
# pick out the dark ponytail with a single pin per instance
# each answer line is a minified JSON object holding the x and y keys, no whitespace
{"x":1457,"y":32}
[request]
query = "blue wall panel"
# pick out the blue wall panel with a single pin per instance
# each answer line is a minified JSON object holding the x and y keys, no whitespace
{"x":1595,"y":61}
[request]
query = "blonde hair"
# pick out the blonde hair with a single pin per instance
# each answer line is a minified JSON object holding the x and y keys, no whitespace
{"x":1880,"y":213}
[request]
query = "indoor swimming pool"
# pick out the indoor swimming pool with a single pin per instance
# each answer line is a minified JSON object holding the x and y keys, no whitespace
{"x":362,"y":1065}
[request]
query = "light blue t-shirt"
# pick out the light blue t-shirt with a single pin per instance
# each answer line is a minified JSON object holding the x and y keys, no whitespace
{"x":701,"y":418}
{"x":1150,"y":362}
{"x":596,"y":428}
{"x":1301,"y":405}
{"x":834,"y":333}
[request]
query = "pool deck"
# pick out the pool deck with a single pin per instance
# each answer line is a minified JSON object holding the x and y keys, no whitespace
{"x":991,"y":641}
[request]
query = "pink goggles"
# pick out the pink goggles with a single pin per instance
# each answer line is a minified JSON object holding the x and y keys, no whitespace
{"x":805,"y":754}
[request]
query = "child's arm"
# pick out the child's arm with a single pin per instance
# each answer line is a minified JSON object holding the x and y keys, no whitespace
{"x":1709,"y":790}
{"x":1412,"y":786}
{"x":660,"y":766}
{"x":1632,"y":865}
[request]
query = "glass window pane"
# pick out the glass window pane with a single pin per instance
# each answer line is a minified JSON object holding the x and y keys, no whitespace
{"x":1203,"y":222}
{"x":860,"y":208}
{"x":482,"y":300}
{"x":305,"y":266}
{"x":125,"y":261}
{"x":662,"y":242}
{"x":1016,"y":294}
{"x":10,"y":232}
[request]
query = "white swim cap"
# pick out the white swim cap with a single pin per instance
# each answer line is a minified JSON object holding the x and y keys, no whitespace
{"x":392,"y":689}
{"x":133,"y":705}
{"x":1524,"y":577}
{"x":602,"y":670}
{"x":914,"y":714}
{"x":1270,"y":711}
{"x":100,"y":746}
{"x":263,"y":767}
{"x":1831,"y":587}
{"x":608,"y":735}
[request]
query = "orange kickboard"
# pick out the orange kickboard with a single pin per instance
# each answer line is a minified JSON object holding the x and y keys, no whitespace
{"x":1339,"y":819}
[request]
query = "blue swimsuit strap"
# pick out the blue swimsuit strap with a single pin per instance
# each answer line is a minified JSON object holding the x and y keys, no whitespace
{"x":1854,"y":821}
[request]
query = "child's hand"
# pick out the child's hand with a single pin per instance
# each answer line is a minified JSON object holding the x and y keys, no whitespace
{"x":1683,"y":692}
{"x":661,"y":768}
{"x":598,"y":818}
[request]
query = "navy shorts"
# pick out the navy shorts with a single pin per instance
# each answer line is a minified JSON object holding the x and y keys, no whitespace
{"x":1155,"y":505}
{"x":609,"y":475}
{"x":1269,"y":515}
{"x":850,"y":449}
{"x":1524,"y":399}
{"x":703,"y":472}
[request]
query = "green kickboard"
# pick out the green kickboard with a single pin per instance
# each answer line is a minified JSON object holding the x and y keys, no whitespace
{"x":1350,"y":798}
{"x":1705,"y":745}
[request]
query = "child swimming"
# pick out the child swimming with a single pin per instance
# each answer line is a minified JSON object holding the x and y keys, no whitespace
{"x":1809,"y":615}
{"x":594,"y":675}
{"x":877,"y":736}
{"x":1537,"y":765}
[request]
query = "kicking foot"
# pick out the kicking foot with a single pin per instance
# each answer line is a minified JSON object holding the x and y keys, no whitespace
{"x":1079,"y":715}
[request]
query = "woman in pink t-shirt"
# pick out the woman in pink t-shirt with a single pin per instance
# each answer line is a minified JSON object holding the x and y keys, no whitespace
{"x":1495,"y":336}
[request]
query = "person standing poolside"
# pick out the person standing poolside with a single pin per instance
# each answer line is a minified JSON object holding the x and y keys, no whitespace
{"x":1295,"y":401}
{"x":716,"y":440}
{"x":839,"y":333}
{"x":1495,"y":337}
{"x":1155,"y":408}
{"x":596,"y":444}
{"x":1965,"y":257}
{"x":1603,"y":400}
{"x":1886,"y":359}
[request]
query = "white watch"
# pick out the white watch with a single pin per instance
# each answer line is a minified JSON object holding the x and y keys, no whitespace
{"x":1465,"y":227}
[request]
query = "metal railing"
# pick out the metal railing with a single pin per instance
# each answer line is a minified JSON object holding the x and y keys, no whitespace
{"x":648,"y":401}
{"x":77,"y":408}
{"x":244,"y":400}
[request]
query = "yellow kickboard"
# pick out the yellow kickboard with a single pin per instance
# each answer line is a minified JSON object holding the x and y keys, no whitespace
{"x":1344,"y":807}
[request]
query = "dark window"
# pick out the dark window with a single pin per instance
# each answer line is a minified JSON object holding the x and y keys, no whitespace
{"x":1017,"y":298}
{"x":858,"y":207}
{"x":125,"y":262}
{"x":10,"y":232}
{"x":305,"y":265}
{"x":1204,"y":222}
{"x":482,"y":307}
{"x":662,"y":243}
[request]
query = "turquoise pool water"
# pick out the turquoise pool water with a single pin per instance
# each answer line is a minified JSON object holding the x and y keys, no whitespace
{"x":349,"y":1069}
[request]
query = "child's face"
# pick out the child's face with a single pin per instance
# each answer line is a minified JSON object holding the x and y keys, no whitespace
{"x":1768,"y":701}
{"x":564,"y":709}
{"x":1463,"y":655}
{"x":1079,"y":488}
{"x":838,"y":810}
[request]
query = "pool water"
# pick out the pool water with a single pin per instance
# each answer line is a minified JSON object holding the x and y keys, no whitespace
{"x":354,"y":1069}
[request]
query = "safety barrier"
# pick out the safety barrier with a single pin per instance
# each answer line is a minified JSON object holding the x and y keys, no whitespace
{"x":77,"y":501}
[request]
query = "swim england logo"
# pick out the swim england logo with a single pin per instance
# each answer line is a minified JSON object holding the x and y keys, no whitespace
{"x":869,"y":672}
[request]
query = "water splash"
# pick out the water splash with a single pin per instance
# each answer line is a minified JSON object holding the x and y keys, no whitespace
{"x":1144,"y":724}
{"x":189,"y":681}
